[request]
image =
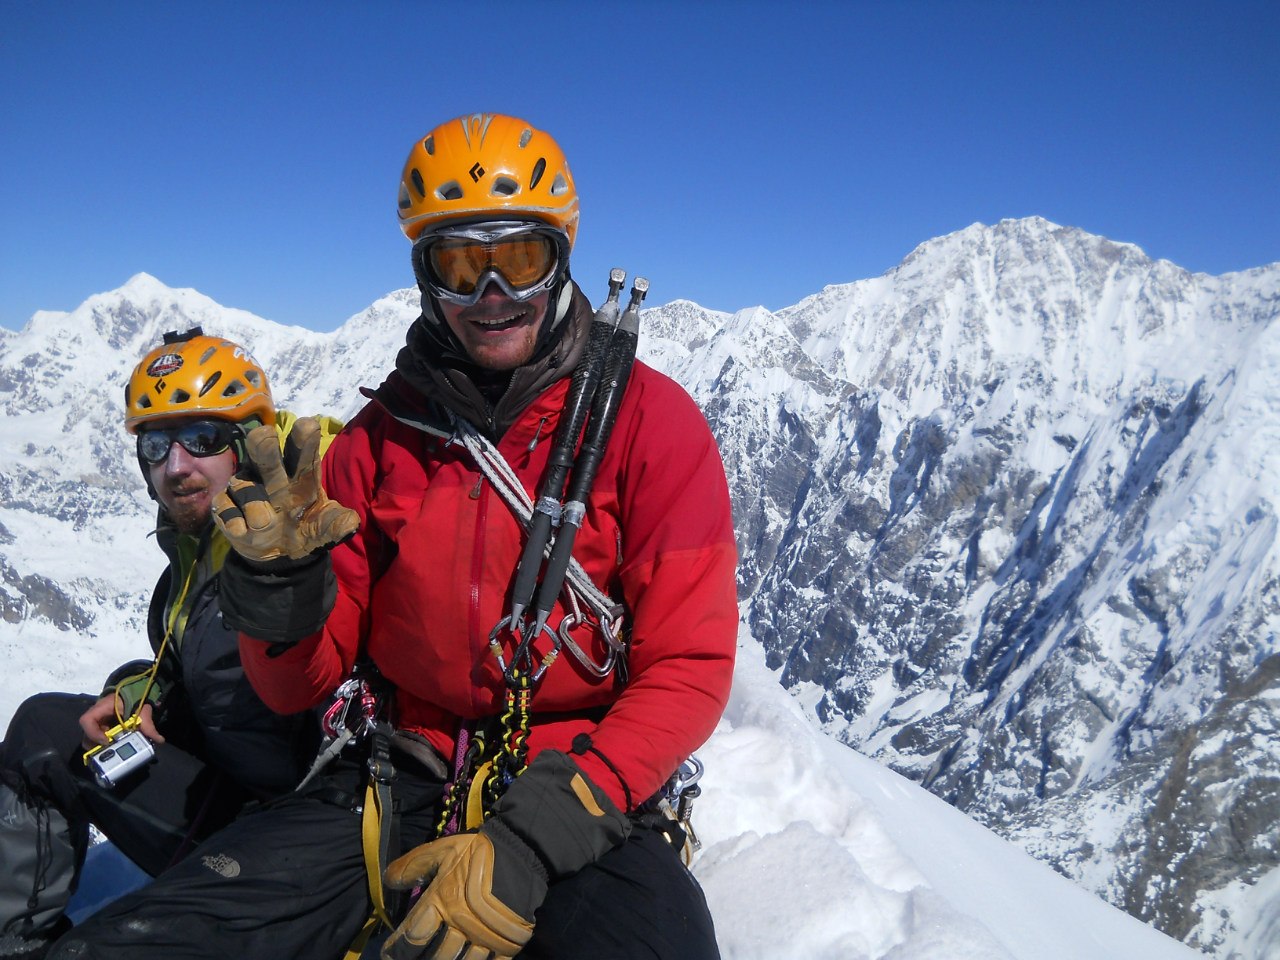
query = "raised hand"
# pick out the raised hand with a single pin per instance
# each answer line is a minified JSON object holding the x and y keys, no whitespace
{"x":283,"y":513}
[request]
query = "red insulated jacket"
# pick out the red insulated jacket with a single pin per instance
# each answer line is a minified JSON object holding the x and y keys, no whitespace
{"x":430,"y":574}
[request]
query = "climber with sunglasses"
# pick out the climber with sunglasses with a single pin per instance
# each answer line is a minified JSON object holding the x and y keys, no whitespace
{"x":175,"y":746}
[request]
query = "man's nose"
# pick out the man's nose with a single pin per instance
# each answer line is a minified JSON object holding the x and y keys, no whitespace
{"x":178,"y":461}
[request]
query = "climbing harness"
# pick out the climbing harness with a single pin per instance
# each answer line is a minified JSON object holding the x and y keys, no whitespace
{"x":356,"y":712}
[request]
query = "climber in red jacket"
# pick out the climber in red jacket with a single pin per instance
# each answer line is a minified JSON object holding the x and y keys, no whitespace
{"x":531,"y":737}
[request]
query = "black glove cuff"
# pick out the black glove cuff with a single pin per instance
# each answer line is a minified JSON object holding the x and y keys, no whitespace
{"x":279,"y":602}
{"x":561,"y":815}
{"x":519,"y":875}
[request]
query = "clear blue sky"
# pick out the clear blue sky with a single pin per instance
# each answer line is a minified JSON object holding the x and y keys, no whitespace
{"x":738,"y":153}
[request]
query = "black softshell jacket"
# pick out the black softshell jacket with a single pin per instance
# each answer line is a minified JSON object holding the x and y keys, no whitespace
{"x":206,"y":701}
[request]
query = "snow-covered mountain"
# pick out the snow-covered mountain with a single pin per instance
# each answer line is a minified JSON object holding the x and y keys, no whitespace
{"x":1006,"y":516}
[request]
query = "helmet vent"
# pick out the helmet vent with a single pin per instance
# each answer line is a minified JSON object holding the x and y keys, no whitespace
{"x":405,"y":202}
{"x":504,"y":187}
{"x":418,"y":185}
{"x":449,"y":191}
{"x":559,"y":185}
{"x":144,"y":402}
{"x":525,"y":136}
{"x":208,"y":353}
{"x":179,"y":396}
{"x":234,"y":389}
{"x":539,"y":169}
{"x":208,"y":384}
{"x":429,"y":145}
{"x":254,"y":378}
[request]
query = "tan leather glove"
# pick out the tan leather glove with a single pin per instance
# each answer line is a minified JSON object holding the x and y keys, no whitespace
{"x":285,"y":514}
{"x":483,"y":889}
{"x":460,"y":916}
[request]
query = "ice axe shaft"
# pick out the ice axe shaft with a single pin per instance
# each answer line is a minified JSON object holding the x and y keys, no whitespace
{"x":604,"y":411}
{"x":582,"y":390}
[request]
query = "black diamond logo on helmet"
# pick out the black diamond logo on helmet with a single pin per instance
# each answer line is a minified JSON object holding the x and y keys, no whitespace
{"x":476,"y":172}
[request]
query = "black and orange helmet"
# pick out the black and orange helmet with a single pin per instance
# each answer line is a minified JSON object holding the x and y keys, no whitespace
{"x":487,"y":167}
{"x":192,"y":374}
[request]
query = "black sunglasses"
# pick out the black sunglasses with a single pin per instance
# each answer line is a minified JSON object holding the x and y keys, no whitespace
{"x":200,"y":438}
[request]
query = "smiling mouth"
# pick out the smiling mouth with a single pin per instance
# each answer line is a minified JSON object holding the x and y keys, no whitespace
{"x":498,"y":320}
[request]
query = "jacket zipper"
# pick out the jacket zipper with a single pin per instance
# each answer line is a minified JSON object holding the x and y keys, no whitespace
{"x":479,"y":639}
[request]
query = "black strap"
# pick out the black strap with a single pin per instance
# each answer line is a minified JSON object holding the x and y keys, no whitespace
{"x":582,"y":744}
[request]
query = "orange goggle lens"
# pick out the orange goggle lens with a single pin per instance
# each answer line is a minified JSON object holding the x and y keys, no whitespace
{"x":523,"y":259}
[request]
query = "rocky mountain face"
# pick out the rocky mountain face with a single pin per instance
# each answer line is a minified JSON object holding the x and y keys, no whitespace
{"x":1007,"y":520}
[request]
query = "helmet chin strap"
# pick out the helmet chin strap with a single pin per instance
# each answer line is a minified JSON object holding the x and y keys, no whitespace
{"x":564,"y":297}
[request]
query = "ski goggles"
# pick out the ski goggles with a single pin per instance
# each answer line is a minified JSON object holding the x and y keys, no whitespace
{"x":522,"y":258}
{"x":200,"y":438}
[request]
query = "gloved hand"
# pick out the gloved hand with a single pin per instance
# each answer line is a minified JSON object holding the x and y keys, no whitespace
{"x":286,"y":515}
{"x":483,"y":888}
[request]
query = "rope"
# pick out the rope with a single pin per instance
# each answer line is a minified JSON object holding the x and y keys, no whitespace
{"x":513,"y":754}
{"x":504,"y":480}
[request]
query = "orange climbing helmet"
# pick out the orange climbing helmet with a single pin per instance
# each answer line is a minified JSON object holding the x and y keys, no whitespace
{"x":192,"y":374}
{"x":487,"y":167}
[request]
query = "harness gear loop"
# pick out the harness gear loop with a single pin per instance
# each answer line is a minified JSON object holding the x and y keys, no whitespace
{"x":455,"y":806}
{"x":340,"y":727}
{"x":677,"y":803}
{"x":353,"y":715}
{"x":376,"y":821}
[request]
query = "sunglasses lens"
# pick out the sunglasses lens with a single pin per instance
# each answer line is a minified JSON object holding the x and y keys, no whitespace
{"x":153,"y":445}
{"x":523,"y":259}
{"x":201,"y":438}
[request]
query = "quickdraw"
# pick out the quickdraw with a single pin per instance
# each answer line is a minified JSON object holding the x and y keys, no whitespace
{"x":355,"y":713}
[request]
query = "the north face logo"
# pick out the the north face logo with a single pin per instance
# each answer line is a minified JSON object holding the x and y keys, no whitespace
{"x":222,"y":864}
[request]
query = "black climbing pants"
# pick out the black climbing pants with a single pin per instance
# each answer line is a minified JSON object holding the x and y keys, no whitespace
{"x":287,"y":880}
{"x":154,"y":815}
